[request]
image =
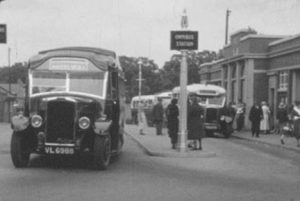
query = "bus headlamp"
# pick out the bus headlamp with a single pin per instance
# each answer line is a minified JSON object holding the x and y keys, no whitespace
{"x":36,"y":121}
{"x":84,"y":122}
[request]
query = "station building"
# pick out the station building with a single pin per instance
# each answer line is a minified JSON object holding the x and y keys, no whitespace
{"x":257,"y":67}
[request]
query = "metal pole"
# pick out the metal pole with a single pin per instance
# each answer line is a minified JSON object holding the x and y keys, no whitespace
{"x":183,"y":104}
{"x":226,"y":26}
{"x":9,"y":84}
{"x":9,"y":76}
{"x":183,"y":94}
{"x":140,"y":88}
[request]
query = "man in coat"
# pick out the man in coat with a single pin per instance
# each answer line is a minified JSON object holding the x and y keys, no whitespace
{"x":172,"y":113}
{"x":158,"y":116}
{"x":255,"y":116}
{"x":240,"y":115}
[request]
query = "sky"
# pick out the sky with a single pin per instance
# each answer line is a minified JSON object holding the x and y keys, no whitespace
{"x":135,"y":28}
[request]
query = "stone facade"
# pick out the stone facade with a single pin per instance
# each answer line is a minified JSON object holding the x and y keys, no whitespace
{"x":258,"y":68}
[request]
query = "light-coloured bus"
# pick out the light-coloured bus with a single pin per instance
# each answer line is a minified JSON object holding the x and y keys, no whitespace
{"x":213,"y":99}
{"x":147,"y":103}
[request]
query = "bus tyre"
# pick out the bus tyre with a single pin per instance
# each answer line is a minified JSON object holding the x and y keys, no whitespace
{"x":102,"y":152}
{"x":209,"y":133}
{"x":20,"y":153}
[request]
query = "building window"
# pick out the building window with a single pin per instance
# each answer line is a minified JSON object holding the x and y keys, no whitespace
{"x":242,"y":89}
{"x":225,"y":72}
{"x":242,"y":69}
{"x":283,"y":80}
{"x":225,"y":85}
{"x":233,"y":87}
{"x":233,"y":71}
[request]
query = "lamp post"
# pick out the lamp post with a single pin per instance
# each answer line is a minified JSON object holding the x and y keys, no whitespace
{"x":183,"y":93}
{"x":140,"y":87}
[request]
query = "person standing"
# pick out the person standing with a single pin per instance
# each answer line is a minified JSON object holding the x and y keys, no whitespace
{"x":265,"y":122}
{"x":227,"y":115}
{"x":158,"y":116}
{"x":282,"y":120}
{"x":295,"y":115}
{"x":195,"y":122}
{"x":255,"y":116}
{"x":240,"y":115}
{"x":142,"y":120}
{"x":172,"y":113}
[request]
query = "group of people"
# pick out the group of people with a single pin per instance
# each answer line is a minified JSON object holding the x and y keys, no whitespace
{"x":195,"y":122}
{"x":288,"y":120}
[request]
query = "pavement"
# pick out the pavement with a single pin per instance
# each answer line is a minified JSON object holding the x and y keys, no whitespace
{"x":290,"y":143}
{"x":160,"y":146}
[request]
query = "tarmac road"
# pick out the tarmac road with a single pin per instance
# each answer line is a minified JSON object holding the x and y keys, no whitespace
{"x":238,"y":172}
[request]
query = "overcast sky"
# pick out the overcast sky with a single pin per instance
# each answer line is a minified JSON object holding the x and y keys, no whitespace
{"x":135,"y":27}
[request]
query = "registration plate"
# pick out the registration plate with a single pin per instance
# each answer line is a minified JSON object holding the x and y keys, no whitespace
{"x":59,"y":150}
{"x":211,"y":127}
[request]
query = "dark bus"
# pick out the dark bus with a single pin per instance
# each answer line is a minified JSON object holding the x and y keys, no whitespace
{"x":73,"y":105}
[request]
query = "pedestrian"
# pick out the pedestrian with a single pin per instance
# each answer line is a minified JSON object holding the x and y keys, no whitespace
{"x":195,"y":122}
{"x":172,"y":113}
{"x":295,"y":115}
{"x":142,"y":120}
{"x":282,"y":120}
{"x":265,"y":122}
{"x":240,"y":115}
{"x":227,"y":116}
{"x":19,"y":122}
{"x":255,"y":116}
{"x":158,"y":116}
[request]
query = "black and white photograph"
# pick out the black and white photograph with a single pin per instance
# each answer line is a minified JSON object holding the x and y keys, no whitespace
{"x":139,"y":100}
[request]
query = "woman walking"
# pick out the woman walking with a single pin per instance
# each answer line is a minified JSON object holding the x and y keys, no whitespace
{"x":265,"y":122}
{"x":195,"y":122}
{"x":282,"y":118}
{"x":295,"y":115}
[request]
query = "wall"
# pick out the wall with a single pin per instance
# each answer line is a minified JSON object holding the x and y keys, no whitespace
{"x":285,"y":60}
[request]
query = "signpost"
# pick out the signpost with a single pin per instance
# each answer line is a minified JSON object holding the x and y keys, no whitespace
{"x":182,"y":41}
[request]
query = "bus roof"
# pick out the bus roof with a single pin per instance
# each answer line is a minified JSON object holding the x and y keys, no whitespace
{"x":102,"y":58}
{"x":202,"y":89}
{"x":164,"y":94}
{"x":143,"y":97}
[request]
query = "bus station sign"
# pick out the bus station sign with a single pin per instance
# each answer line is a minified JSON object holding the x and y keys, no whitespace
{"x":184,"y":40}
{"x":3,"y":33}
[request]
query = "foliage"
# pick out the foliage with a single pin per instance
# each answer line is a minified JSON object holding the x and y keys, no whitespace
{"x":13,"y":74}
{"x":154,"y":79}
{"x":171,"y":69}
{"x":151,"y":81}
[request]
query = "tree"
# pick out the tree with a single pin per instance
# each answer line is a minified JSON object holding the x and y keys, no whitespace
{"x":171,"y":69}
{"x":151,"y":83}
{"x":14,"y":73}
